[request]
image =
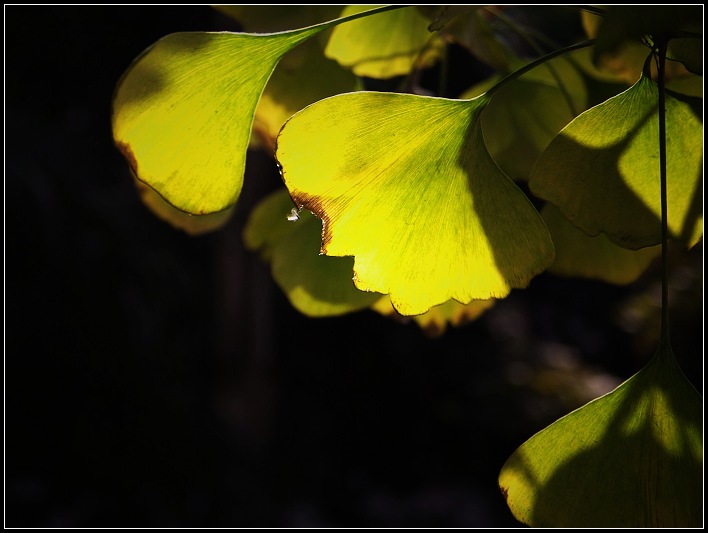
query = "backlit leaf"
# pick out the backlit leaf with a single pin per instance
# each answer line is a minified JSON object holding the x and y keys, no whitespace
{"x":579,"y":254}
{"x":405,"y":184}
{"x":316,"y":285}
{"x":602,"y":170}
{"x":632,"y":458}
{"x":303,"y":76}
{"x":390,"y":44}
{"x":182,"y":113}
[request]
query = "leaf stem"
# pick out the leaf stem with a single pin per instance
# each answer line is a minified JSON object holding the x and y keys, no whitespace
{"x":525,"y":35}
{"x":540,"y":61}
{"x":662,"y":46}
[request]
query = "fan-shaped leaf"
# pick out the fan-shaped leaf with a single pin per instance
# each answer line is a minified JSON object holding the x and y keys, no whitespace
{"x":632,"y":458}
{"x":390,"y":44}
{"x":182,"y":113}
{"x":602,"y":170}
{"x":405,"y":184}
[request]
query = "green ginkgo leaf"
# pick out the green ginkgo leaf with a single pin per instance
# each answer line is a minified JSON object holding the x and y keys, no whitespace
{"x":602,"y":169}
{"x":316,"y":285}
{"x":391,"y":44}
{"x":579,"y":254}
{"x":405,"y":184}
{"x":525,"y":115}
{"x":632,"y":458}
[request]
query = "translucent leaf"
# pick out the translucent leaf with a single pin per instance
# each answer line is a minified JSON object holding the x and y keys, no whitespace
{"x":524,"y":116}
{"x":182,"y":113}
{"x":602,"y":170}
{"x":578,"y":254}
{"x":405,"y":184}
{"x":316,"y":285}
{"x":632,"y":458}
{"x":435,"y":321}
{"x":387,"y":45}
{"x":303,"y":76}
{"x":301,"y":271}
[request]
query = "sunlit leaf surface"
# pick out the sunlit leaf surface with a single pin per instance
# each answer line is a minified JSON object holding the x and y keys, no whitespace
{"x":386,"y":45}
{"x":579,"y":254}
{"x":316,"y":285}
{"x":304,"y":76}
{"x":632,"y":458}
{"x":182,"y":113}
{"x":602,"y":170}
{"x":405,"y":185}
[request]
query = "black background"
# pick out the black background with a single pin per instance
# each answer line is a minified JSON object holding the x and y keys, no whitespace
{"x":158,"y":380}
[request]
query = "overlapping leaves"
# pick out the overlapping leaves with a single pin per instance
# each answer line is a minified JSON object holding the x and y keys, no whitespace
{"x":405,"y":185}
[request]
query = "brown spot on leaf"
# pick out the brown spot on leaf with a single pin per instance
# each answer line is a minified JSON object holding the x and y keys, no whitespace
{"x":127,"y":152}
{"x":505,"y":492}
{"x":314,"y":205}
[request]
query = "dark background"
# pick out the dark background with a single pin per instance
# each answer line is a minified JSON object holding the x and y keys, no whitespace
{"x":158,"y":380}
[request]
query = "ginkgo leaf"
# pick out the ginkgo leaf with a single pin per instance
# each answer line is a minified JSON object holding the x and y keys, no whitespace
{"x":388,"y":45}
{"x":182,"y":112}
{"x":525,"y":115}
{"x":631,"y":458}
{"x":434,"y":322}
{"x":602,"y":170}
{"x":303,"y":76}
{"x":579,"y":254}
{"x":405,"y":184}
{"x":319,"y":285}
{"x":316,"y":285}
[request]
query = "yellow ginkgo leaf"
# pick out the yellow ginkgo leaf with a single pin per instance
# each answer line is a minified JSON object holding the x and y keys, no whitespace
{"x":405,"y":184}
{"x":182,"y":112}
{"x":387,"y":45}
